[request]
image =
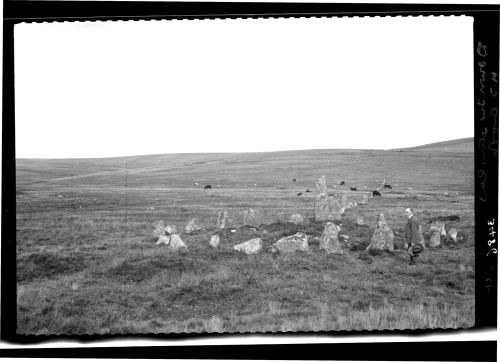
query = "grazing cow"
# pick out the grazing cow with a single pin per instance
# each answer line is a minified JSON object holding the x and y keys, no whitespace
{"x":342,"y":183}
{"x":387,"y":187}
{"x":308,"y":190}
{"x":294,"y":180}
{"x":300,"y":193}
{"x":376,"y":193}
{"x":207,"y":187}
{"x":354,"y":189}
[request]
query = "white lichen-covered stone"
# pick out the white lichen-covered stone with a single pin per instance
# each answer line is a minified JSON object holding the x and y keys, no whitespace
{"x":329,"y":240}
{"x":292,"y":243}
{"x":214,"y":241}
{"x":176,"y":242}
{"x":383,"y":237}
{"x":252,"y":246}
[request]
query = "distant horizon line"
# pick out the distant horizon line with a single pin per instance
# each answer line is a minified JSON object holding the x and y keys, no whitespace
{"x":244,"y":152}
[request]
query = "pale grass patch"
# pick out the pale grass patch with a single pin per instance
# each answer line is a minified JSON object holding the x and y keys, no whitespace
{"x":214,"y":325}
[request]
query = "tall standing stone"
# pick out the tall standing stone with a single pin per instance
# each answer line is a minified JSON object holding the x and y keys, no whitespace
{"x":222,"y":219}
{"x":329,"y":240}
{"x":321,"y":200}
{"x":383,"y":237}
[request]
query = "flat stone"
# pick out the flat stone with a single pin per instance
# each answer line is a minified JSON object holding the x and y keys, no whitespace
{"x":252,"y":246}
{"x":292,"y":243}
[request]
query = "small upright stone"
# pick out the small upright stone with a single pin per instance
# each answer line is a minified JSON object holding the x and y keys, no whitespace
{"x":252,"y":217}
{"x":159,"y":229}
{"x":192,"y":226}
{"x":360,"y":221}
{"x":435,"y":239}
{"x":330,"y":239}
{"x":170,"y":229}
{"x":383,"y":237}
{"x":290,"y":244}
{"x":214,"y":241}
{"x":336,"y":210}
{"x":438,"y":226}
{"x":296,"y":219}
{"x":222,"y":219}
{"x":251,"y":246}
{"x":176,"y":242}
{"x":163,"y":239}
{"x":452,"y":234}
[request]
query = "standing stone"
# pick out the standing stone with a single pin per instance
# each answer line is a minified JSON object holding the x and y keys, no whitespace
{"x":383,"y":237}
{"x":345,"y":201}
{"x":335,"y":209}
{"x":192,"y":226}
{"x":321,"y":200}
{"x":360,"y":221}
{"x":159,"y":229}
{"x":214,"y":241}
{"x":435,"y":239}
{"x":438,"y":226}
{"x":330,"y":239}
{"x":421,"y":233}
{"x":163,"y":239}
{"x":452,"y":233}
{"x":176,"y":242}
{"x":289,"y":244}
{"x":222,"y":219}
{"x":252,"y":217}
{"x":296,"y":219}
{"x":251,"y":246}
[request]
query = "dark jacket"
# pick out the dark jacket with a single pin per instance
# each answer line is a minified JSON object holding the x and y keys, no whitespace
{"x":411,"y":231}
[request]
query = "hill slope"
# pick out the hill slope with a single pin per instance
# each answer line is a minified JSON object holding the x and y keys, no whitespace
{"x":458,"y":145}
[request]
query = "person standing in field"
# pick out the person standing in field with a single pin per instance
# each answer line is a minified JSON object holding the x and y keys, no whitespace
{"x":412,"y":236}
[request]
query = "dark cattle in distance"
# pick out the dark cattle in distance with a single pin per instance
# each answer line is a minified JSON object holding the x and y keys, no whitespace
{"x":354,"y":189}
{"x":300,"y":193}
{"x":294,"y":180}
{"x":308,"y":190}
{"x":376,"y":193}
{"x":342,"y":183}
{"x":387,"y":187}
{"x":207,"y":187}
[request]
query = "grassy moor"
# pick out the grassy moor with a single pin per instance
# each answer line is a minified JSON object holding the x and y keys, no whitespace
{"x":87,"y":262}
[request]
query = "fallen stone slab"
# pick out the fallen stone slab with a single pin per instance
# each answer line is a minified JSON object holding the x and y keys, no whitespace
{"x":292,"y":243}
{"x":252,"y":246}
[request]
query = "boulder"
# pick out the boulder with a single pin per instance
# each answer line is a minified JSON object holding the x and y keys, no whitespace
{"x":290,"y":244}
{"x":170,"y":229}
{"x":159,"y":229}
{"x":252,"y":217}
{"x":452,"y":234}
{"x":438,"y":226}
{"x":321,"y":200}
{"x":222,"y":219}
{"x":360,"y":221}
{"x":214,"y":241}
{"x":176,"y":242}
{"x":163,"y":239}
{"x":330,"y":239}
{"x":383,"y":237}
{"x":296,"y":219}
{"x":435,"y":239}
{"x":192,"y":226}
{"x":251,"y":246}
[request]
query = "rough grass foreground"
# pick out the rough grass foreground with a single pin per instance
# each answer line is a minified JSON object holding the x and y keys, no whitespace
{"x":142,"y":288}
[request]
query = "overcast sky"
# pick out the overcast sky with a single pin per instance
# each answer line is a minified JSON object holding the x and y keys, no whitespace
{"x":126,"y":88}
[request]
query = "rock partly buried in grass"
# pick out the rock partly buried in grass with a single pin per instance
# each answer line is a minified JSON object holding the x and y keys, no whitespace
{"x":159,"y":228}
{"x":214,"y":241}
{"x":176,"y":242}
{"x":438,"y":226}
{"x":297,"y":219}
{"x":360,"y":221}
{"x":330,"y":239}
{"x":452,"y":234}
{"x":292,"y":243}
{"x":163,"y":239}
{"x":252,"y":246}
{"x":222,"y":219}
{"x":170,"y":229}
{"x":383,"y":237}
{"x":252,"y":217}
{"x":192,"y":226}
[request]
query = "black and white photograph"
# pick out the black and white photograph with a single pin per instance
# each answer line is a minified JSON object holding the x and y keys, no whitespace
{"x":299,"y":174}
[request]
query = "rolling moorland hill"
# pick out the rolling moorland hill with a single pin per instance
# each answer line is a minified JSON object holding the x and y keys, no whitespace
{"x":458,"y":145}
{"x":87,"y":260}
